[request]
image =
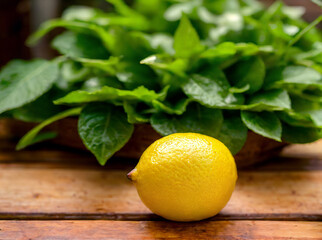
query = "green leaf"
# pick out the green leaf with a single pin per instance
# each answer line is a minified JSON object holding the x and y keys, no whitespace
{"x":123,"y":9}
{"x":297,"y":80}
{"x":300,"y":75}
{"x":249,"y":49}
{"x":134,"y":75}
{"x":133,"y":116}
{"x":22,"y":82}
{"x":233,"y":133}
{"x":39,"y":110}
{"x":109,"y":65}
{"x":308,"y":109}
{"x":196,"y":119}
{"x":315,"y":54}
{"x":42,"y":137}
{"x":239,"y":90}
{"x":161,"y":43}
{"x":227,"y":24}
{"x":225,"y":49}
{"x":30,"y":137}
{"x":249,"y":72}
{"x":96,"y":83}
{"x":176,"y":11}
{"x":108,"y":94}
{"x":131,"y":45}
{"x":86,"y":14}
{"x":211,"y":88}
{"x":77,"y":26}
{"x":276,"y":99}
{"x":81,"y":13}
{"x":177,"y":108}
{"x":304,"y":31}
{"x":264,"y":123}
{"x":104,"y":130}
{"x":293,"y":134}
{"x":296,"y":119}
{"x":186,"y":39}
{"x":76,"y":45}
{"x":164,"y":62}
{"x":74,"y":72}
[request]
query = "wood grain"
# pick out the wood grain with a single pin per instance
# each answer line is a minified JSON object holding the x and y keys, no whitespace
{"x":107,"y":194}
{"x":41,"y":230}
{"x":308,"y":151}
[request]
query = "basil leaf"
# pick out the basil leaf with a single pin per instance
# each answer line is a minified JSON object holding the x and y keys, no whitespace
{"x":135,"y":75}
{"x":233,"y":133}
{"x":296,"y":119}
{"x":96,"y":83}
{"x":109,"y":65}
{"x":211,"y":89}
{"x":296,"y":74}
{"x":30,"y":137}
{"x":295,"y":79}
{"x":22,"y":82}
{"x":108,"y":94}
{"x":124,"y":9}
{"x":177,"y":108}
{"x":305,"y":31}
{"x":104,"y":130}
{"x":77,"y":45}
{"x":186,"y":40}
{"x":293,"y":134}
{"x":83,"y":13}
{"x":196,"y":119}
{"x":133,"y":116}
{"x":86,"y":14}
{"x":73,"y":71}
{"x":239,"y":90}
{"x":175,"y":11}
{"x":161,"y":43}
{"x":167,"y":63}
{"x":77,"y":26}
{"x":249,"y":72}
{"x":40,"y":109}
{"x":313,"y":110}
{"x":133,"y":46}
{"x":222,"y":50}
{"x":264,"y":123}
{"x":276,"y":100}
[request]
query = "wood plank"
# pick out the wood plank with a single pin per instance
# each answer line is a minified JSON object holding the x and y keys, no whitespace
{"x":41,"y":193}
{"x":311,"y":150}
{"x":38,"y":230}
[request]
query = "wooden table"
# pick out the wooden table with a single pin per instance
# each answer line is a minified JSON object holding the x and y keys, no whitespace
{"x":59,"y":194}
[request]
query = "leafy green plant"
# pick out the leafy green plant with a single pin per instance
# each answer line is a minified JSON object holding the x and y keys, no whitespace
{"x":214,"y":67}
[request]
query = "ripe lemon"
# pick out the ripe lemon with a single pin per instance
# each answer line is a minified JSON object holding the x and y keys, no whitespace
{"x":185,"y":176}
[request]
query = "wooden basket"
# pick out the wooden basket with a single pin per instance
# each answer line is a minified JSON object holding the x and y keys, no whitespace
{"x":256,"y":149}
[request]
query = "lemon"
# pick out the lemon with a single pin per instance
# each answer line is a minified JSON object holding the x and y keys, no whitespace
{"x":185,"y":176}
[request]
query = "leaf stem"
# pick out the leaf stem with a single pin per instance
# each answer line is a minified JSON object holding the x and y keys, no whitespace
{"x":304,"y":31}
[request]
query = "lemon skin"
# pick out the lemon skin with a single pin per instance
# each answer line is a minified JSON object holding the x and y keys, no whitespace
{"x":185,"y":176}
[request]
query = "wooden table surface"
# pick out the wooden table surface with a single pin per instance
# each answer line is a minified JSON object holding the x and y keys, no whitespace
{"x":59,"y":194}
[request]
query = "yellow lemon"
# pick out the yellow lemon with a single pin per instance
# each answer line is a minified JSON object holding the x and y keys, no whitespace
{"x":185,"y":176}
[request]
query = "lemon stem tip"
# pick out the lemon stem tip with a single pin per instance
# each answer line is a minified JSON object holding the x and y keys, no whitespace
{"x":132,"y":175}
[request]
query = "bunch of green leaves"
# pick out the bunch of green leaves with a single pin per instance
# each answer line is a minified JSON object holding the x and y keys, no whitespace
{"x":218,"y":68}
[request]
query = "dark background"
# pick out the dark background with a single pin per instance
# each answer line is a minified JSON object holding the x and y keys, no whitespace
{"x":20,"y":17}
